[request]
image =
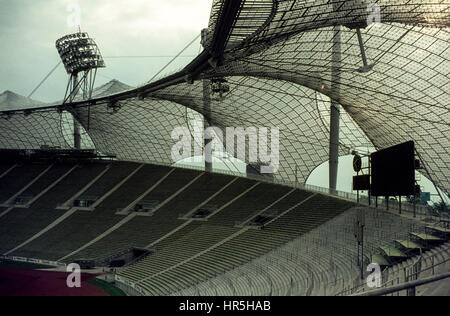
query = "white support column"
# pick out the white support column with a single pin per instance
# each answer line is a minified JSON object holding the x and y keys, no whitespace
{"x":76,"y":134}
{"x":207,"y":117}
{"x":208,"y":153}
{"x":334,"y":144}
{"x":335,"y":109}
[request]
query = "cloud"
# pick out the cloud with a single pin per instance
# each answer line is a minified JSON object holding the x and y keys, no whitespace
{"x":29,"y":29}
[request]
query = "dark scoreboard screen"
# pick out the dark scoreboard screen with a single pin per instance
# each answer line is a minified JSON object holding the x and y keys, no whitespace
{"x":393,"y":171}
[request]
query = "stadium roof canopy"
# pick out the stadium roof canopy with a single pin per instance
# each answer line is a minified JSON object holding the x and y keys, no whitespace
{"x":285,"y":61}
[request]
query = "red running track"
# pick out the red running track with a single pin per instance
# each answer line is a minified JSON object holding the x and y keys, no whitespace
{"x":19,"y":282}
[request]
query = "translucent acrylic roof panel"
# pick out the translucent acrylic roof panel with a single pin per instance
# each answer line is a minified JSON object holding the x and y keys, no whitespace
{"x":265,"y":103}
{"x":291,"y":16}
{"x":351,"y":135}
{"x":31,"y":130}
{"x":133,"y":129}
{"x":404,"y":97}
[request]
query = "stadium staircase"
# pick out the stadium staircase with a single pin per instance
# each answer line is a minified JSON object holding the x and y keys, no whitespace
{"x":22,"y":223}
{"x":322,"y":261}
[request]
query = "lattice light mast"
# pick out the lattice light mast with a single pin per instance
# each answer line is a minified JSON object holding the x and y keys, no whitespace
{"x":81,"y":58}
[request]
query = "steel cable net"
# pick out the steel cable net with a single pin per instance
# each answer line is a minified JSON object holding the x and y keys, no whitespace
{"x":265,"y":103}
{"x":31,"y":131}
{"x":257,"y":24}
{"x":285,"y":61}
{"x":133,"y":129}
{"x":405,"y":95}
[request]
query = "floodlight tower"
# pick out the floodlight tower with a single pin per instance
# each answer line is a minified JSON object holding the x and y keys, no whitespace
{"x":81,"y":58}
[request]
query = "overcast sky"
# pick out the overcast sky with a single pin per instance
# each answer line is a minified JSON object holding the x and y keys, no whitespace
{"x":29,"y":29}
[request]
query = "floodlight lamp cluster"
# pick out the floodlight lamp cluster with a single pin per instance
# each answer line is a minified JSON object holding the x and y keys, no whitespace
{"x":79,"y":53}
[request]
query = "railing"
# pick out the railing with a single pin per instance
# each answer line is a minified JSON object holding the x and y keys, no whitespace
{"x":406,"y":286}
{"x":361,"y":288}
{"x":335,"y":283}
{"x":329,"y":288}
{"x":294,"y":287}
{"x":406,"y":207}
{"x":31,"y":260}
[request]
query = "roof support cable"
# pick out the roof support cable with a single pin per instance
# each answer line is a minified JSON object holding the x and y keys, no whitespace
{"x":176,"y":56}
{"x":366,"y":68}
{"x":43,"y":80}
